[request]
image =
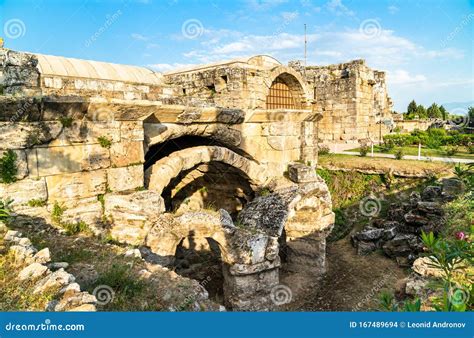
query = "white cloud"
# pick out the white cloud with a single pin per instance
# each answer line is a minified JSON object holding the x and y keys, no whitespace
{"x":338,"y":8}
{"x":261,"y":5}
{"x":402,"y":76}
{"x":139,"y":37}
{"x":165,"y":67}
{"x":393,"y":9}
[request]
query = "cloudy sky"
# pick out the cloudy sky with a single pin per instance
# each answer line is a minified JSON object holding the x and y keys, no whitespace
{"x":426,"y":47}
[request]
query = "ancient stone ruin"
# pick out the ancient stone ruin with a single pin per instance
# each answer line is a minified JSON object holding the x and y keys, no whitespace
{"x":218,"y":158}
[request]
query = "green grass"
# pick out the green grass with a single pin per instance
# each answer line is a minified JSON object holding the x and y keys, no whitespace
{"x":125,"y":285}
{"x":413,"y":150}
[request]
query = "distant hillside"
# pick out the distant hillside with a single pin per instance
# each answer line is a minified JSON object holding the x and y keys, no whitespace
{"x":458,"y":107}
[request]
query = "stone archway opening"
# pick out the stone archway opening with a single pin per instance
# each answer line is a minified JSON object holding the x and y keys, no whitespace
{"x":200,"y":258}
{"x":285,"y":92}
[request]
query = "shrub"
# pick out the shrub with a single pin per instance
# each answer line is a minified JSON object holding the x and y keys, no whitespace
{"x":75,"y":228}
{"x":470,"y":148}
{"x":104,"y":142}
{"x":399,"y":154}
{"x":57,"y":213}
{"x":387,"y":146}
{"x":451,"y":150}
{"x":8,"y":168}
{"x":323,"y":150}
{"x":363,"y":150}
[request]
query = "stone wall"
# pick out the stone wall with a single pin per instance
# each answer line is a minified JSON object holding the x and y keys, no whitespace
{"x":352,"y":99}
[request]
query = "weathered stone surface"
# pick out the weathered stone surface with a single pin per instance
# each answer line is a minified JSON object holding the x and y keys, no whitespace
{"x":267,"y":213}
{"x":132,"y":214}
{"x":369,"y":234}
{"x":126,"y":178}
{"x":75,"y":186}
{"x":33,"y":271}
{"x":431,"y":193}
{"x":43,"y":256}
{"x":402,"y":245}
{"x":301,"y":173}
{"x":56,"y":280}
{"x":72,"y":300}
{"x":451,"y":188}
{"x":126,"y":153}
{"x":21,"y":192}
{"x":424,"y":267}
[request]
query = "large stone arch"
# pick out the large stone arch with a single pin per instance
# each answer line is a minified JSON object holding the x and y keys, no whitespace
{"x":156,"y":133}
{"x":294,"y":81}
{"x":160,"y":174}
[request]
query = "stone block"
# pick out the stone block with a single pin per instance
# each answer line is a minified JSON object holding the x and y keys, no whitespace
{"x":125,"y":153}
{"x":125,"y":178}
{"x":300,"y":173}
{"x":76,"y":186}
{"x":21,"y":192}
{"x":68,"y":159}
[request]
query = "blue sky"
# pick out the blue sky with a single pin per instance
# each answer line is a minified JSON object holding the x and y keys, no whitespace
{"x":426,"y":47}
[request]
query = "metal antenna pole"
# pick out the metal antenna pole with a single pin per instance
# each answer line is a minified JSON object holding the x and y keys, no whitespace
{"x":305,"y":46}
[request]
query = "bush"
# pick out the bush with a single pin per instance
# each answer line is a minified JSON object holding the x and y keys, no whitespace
{"x":399,"y":154}
{"x":8,"y":168}
{"x":66,"y":121}
{"x":363,"y":150}
{"x":451,"y":150}
{"x":323,"y":150}
{"x":470,"y":148}
{"x":387,"y":146}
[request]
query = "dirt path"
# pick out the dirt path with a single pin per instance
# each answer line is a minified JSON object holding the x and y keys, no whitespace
{"x":352,"y":283}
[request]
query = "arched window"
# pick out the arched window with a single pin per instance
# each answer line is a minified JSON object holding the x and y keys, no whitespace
{"x":281,"y":96}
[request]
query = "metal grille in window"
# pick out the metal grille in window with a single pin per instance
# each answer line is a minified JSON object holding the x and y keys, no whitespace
{"x":280,"y":97}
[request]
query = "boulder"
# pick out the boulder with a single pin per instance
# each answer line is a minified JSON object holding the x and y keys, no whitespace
{"x":85,"y":274}
{"x":451,"y":188}
{"x":430,"y":207}
{"x":364,"y":248}
{"x":369,"y":234}
{"x":401,"y":245}
{"x":33,"y":271}
{"x":43,"y":256}
{"x":423,"y":266}
{"x":56,"y":280}
{"x":431,"y":193}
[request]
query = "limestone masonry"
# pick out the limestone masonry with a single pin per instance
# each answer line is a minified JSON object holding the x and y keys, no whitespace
{"x":224,"y":152}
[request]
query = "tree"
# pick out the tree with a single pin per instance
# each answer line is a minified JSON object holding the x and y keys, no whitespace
{"x":433,"y":112}
{"x":444,"y":113}
{"x":412,"y":108}
{"x":470,"y":115}
{"x":421,"y":112}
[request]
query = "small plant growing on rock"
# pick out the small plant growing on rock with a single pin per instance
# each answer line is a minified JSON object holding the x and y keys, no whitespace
{"x":105,"y":142}
{"x":66,"y":121}
{"x":8,"y":168}
{"x":5,"y":210}
{"x":75,"y":228}
{"x":57,"y":213}
{"x":36,"y":203}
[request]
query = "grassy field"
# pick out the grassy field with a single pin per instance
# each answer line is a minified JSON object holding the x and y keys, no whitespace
{"x":413,"y":150}
{"x":405,"y":168}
